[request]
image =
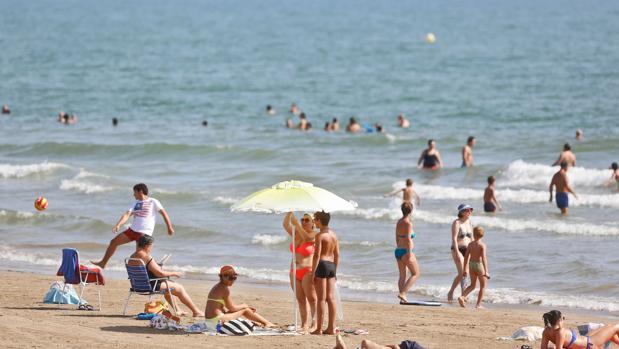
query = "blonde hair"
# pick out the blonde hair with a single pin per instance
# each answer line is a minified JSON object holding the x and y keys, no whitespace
{"x":478,"y":232}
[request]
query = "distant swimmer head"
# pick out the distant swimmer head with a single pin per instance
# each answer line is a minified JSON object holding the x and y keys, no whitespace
{"x":409,"y":182}
{"x":406,"y":208}
{"x":564,"y":165}
{"x":302,"y":116}
{"x":205,"y":123}
{"x":5,"y":109}
{"x":114,"y":121}
{"x":352,"y":120}
{"x":334,"y":121}
{"x":379,"y":128}
{"x":491,"y":179}
{"x":552,"y":317}
{"x":270,"y":110}
{"x":567,"y":146}
{"x":579,"y":134}
{"x":613,"y":166}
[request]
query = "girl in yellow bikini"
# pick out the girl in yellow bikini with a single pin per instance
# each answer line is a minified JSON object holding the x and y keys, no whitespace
{"x":220,"y":308}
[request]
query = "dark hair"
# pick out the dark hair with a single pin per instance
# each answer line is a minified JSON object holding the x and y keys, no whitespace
{"x":145,"y":240}
{"x":302,"y":115}
{"x":269,"y":107}
{"x":471,"y":138}
{"x":491,"y":179}
{"x":353,"y":120}
{"x":551,"y":318}
{"x":323,"y":217}
{"x":114,"y":121}
{"x":567,"y":146}
{"x":409,"y":182}
{"x":205,"y":123}
{"x":407,"y":208}
{"x":614,"y":166}
{"x":563,"y":164}
{"x":141,"y":187}
{"x":334,"y":120}
{"x":430,"y":141}
{"x":309,"y":125}
{"x":379,"y":128}
{"x":327,"y":126}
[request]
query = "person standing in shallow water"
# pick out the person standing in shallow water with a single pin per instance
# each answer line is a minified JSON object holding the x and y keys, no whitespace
{"x":566,"y":156}
{"x":490,"y":201}
{"x":430,"y":158}
{"x":467,"y":152}
{"x":404,"y":252}
{"x":561,"y":181}
{"x":461,"y":236}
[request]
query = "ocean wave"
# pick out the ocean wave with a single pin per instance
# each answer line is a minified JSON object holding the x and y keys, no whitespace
{"x":81,"y":184}
{"x":19,"y":215}
{"x":508,"y":224}
{"x":20,"y":171}
{"x":508,"y":195}
{"x":520,"y":173}
{"x":267,"y":239}
{"x":225,"y":200}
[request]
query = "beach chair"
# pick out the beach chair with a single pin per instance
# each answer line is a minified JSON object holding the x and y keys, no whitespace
{"x":76,"y":274}
{"x":141,"y":282}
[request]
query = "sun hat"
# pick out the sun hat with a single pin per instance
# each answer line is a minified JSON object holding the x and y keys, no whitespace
{"x":463,"y":207}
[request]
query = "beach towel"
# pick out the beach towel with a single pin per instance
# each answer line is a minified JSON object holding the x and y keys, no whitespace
{"x":527,"y":333}
{"x":55,"y":294}
{"x":161,"y":322}
{"x":69,"y":267}
{"x":236,"y":327}
{"x":92,"y":275}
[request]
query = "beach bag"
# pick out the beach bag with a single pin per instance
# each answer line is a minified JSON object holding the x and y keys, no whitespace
{"x":236,"y":327}
{"x":56,"y":295}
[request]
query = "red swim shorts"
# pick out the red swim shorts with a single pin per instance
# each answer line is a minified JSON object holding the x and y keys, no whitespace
{"x":132,"y":235}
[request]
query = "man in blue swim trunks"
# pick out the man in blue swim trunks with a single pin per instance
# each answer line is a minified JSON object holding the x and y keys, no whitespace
{"x":560,"y":180}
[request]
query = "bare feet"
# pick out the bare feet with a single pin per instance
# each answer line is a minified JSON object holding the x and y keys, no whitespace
{"x":402,"y":298}
{"x":181,"y":313}
{"x":98,"y":264}
{"x":450,"y":297}
{"x":270,"y":325}
{"x":198,"y":314}
{"x":317,"y":331}
{"x":328,"y":331}
{"x":339,"y":342}
{"x":462,"y":302}
{"x":479,"y":306}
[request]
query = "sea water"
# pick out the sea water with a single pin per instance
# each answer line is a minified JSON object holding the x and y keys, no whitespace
{"x":520,"y":76}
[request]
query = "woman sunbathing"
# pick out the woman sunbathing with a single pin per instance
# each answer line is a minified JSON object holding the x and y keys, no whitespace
{"x":220,"y":308}
{"x":568,"y":339}
{"x":144,"y":248}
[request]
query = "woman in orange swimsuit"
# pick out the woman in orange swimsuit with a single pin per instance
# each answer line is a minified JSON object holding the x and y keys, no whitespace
{"x":304,"y":250}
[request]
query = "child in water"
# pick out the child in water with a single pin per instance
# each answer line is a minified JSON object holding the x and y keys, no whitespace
{"x":476,"y":263}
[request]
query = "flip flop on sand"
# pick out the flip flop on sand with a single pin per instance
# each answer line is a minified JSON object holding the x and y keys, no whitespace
{"x":85,"y":307}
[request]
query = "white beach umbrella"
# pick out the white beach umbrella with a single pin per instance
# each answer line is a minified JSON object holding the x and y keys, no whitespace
{"x":291,"y":196}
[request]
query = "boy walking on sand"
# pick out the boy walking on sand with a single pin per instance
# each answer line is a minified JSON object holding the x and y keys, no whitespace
{"x":325,"y":262}
{"x":408,"y":193}
{"x":477,"y":263}
{"x":144,"y":212}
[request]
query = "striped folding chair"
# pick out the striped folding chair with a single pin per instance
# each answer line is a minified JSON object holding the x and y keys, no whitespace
{"x":142,"y":284}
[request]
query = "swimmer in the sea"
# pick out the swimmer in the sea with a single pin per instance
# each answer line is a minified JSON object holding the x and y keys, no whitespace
{"x":289,"y":123}
{"x":408,"y":193}
{"x":430,"y":158}
{"x":379,"y":128}
{"x":270,"y":110}
{"x":566,"y":156}
{"x":114,"y":122}
{"x":327,"y":126}
{"x":403,"y":121}
{"x":614,"y":177}
{"x":205,"y":123}
{"x":294,"y":110}
{"x":335,"y":125}
{"x":579,"y":135}
{"x":302,"y":122}
{"x":560,"y":181}
{"x":490,"y":201}
{"x":353,"y":126}
{"x":5,"y":109}
{"x":467,"y":152}
{"x":61,"y":117}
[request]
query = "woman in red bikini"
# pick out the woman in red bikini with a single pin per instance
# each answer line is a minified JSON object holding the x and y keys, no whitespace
{"x":304,"y":250}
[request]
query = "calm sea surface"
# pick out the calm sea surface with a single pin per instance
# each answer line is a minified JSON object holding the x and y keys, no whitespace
{"x":521,"y":76}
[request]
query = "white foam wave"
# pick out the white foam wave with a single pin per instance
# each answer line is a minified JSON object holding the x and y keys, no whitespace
{"x":225,"y":200}
{"x":554,"y":226}
{"x":20,"y":215}
{"x":520,"y":173}
{"x":80,"y":183}
{"x":266,"y":239}
{"x":20,"y":171}
{"x":523,"y":196}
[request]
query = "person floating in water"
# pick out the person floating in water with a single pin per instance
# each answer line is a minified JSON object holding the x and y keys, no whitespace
{"x":270,"y":110}
{"x":566,"y":156}
{"x":144,"y":212}
{"x":5,"y":109}
{"x":408,"y":193}
{"x":560,"y":181}
{"x":430,"y":158}
{"x":490,"y":201}
{"x":467,"y":152}
{"x":403,"y":121}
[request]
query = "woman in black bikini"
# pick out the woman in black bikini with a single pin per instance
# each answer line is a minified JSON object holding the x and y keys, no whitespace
{"x":431,"y":157}
{"x":144,"y":248}
{"x":461,"y":236}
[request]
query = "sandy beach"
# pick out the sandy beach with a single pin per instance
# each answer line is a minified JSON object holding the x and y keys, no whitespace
{"x":26,"y":322}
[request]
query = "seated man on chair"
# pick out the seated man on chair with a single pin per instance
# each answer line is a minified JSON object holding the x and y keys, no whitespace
{"x":143,"y":251}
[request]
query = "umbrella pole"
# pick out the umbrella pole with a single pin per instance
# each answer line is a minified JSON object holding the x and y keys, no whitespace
{"x":294,"y":278}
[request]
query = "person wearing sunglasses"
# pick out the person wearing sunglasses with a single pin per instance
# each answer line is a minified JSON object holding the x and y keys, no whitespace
{"x":220,"y":308}
{"x":563,"y":338}
{"x":304,"y":251}
{"x":461,"y":236}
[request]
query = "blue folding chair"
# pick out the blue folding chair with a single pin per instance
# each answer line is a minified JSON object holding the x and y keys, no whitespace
{"x":74,"y":275}
{"x":141,"y":282}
